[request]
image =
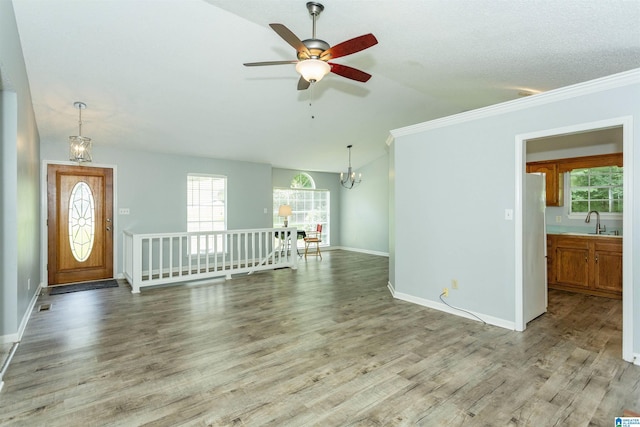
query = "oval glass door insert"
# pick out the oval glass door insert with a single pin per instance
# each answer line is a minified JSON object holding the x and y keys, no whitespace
{"x":81,"y":221}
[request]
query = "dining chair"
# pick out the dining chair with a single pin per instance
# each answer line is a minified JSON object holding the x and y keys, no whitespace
{"x":313,"y":237}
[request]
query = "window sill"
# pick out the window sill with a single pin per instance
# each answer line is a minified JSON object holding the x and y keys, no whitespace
{"x":603,"y":216}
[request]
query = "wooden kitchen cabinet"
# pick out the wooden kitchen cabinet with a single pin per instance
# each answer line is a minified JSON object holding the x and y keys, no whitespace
{"x":608,"y":266}
{"x":586,"y":264}
{"x":554,"y":181}
{"x":572,"y":267}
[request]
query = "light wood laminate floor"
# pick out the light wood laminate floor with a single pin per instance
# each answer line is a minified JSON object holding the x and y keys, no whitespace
{"x":325,"y":345}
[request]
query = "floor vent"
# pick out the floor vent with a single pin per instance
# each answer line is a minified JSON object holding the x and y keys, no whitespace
{"x":44,"y":307}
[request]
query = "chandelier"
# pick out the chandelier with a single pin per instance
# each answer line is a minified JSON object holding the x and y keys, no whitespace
{"x":349,"y":181}
{"x":79,"y":146}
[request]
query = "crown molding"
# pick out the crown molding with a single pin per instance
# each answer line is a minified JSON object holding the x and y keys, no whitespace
{"x":586,"y":88}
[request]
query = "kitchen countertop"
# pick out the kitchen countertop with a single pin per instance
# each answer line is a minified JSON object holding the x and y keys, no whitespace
{"x":581,"y":231}
{"x":587,"y":234}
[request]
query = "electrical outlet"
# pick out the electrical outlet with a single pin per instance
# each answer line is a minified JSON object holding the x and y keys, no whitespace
{"x":123,"y":211}
{"x":29,"y":283}
{"x":454,"y":284}
{"x":445,"y":292}
{"x":559,"y":219}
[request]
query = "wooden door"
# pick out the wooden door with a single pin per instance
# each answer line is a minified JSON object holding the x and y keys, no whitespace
{"x":79,"y":223}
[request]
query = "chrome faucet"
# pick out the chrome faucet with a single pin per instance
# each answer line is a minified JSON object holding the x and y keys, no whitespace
{"x":599,"y":228}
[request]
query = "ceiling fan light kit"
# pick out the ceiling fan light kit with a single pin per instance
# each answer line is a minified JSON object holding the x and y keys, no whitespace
{"x":313,"y":54}
{"x":313,"y":70}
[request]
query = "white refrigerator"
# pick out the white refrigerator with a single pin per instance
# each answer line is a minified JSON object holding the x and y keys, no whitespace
{"x":535,"y":247}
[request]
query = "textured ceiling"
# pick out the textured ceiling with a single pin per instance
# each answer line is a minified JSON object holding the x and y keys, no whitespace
{"x":167,"y":75}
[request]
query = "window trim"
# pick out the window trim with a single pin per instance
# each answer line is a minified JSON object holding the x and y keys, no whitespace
{"x":312,"y":182}
{"x":582,"y":215}
{"x":224,"y":248}
{"x":587,"y":162}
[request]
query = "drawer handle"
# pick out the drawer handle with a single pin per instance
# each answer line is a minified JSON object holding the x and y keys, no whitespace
{"x":596,"y":259}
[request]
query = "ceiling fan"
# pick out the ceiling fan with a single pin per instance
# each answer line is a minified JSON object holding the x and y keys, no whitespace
{"x":313,"y":54}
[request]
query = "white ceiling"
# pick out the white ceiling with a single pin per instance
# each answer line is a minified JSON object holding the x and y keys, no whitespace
{"x":167,"y":75}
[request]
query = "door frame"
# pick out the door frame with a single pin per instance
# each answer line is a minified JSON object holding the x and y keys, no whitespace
{"x":44,"y":249}
{"x":627,"y":254}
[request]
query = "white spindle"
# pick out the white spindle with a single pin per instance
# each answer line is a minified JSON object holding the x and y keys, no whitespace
{"x":239,"y":251}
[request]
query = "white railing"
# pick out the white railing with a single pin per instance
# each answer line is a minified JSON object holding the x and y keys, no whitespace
{"x":156,"y":259}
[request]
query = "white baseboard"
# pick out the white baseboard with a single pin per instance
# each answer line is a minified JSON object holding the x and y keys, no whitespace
{"x":11,"y":338}
{"x":7,"y":362}
{"x":27,"y":315}
{"x":445,"y":308}
{"x":391,"y":288}
{"x":362,"y":251}
{"x":15,"y":338}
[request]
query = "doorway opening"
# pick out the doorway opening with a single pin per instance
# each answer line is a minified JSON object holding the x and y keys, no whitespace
{"x":596,"y":138}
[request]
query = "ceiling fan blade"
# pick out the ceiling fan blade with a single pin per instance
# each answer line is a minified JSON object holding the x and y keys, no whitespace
{"x":303,"y":84}
{"x":259,"y":64}
{"x":349,"y":72}
{"x":288,"y":36}
{"x":350,"y":46}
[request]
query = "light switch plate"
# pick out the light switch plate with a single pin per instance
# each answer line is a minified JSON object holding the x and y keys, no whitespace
{"x":123,"y":211}
{"x":508,"y":214}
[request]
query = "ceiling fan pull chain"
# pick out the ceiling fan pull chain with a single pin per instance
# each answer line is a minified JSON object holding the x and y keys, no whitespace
{"x":311,"y":93}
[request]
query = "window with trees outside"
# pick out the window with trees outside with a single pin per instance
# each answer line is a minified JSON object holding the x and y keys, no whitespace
{"x":596,"y":189}
{"x":309,"y":206}
{"x":206,"y":211}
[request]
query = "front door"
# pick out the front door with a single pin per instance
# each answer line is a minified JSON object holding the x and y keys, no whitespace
{"x":79,"y":223}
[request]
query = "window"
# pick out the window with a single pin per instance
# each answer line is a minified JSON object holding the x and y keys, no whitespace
{"x":598,"y":189}
{"x":309,"y":206}
{"x":206,"y":210}
{"x":81,"y":221}
{"x":303,"y":180}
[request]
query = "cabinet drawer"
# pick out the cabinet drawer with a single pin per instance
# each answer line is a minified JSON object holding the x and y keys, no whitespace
{"x":615,"y":246}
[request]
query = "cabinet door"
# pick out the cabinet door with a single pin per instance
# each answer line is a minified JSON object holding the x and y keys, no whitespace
{"x":608,"y":271}
{"x":572,"y":266}
{"x":554,"y":182}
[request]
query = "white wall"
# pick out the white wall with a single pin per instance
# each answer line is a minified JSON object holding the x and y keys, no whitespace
{"x":19,"y":186}
{"x":465,"y":169}
{"x":365,"y":210}
{"x":154,"y":188}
